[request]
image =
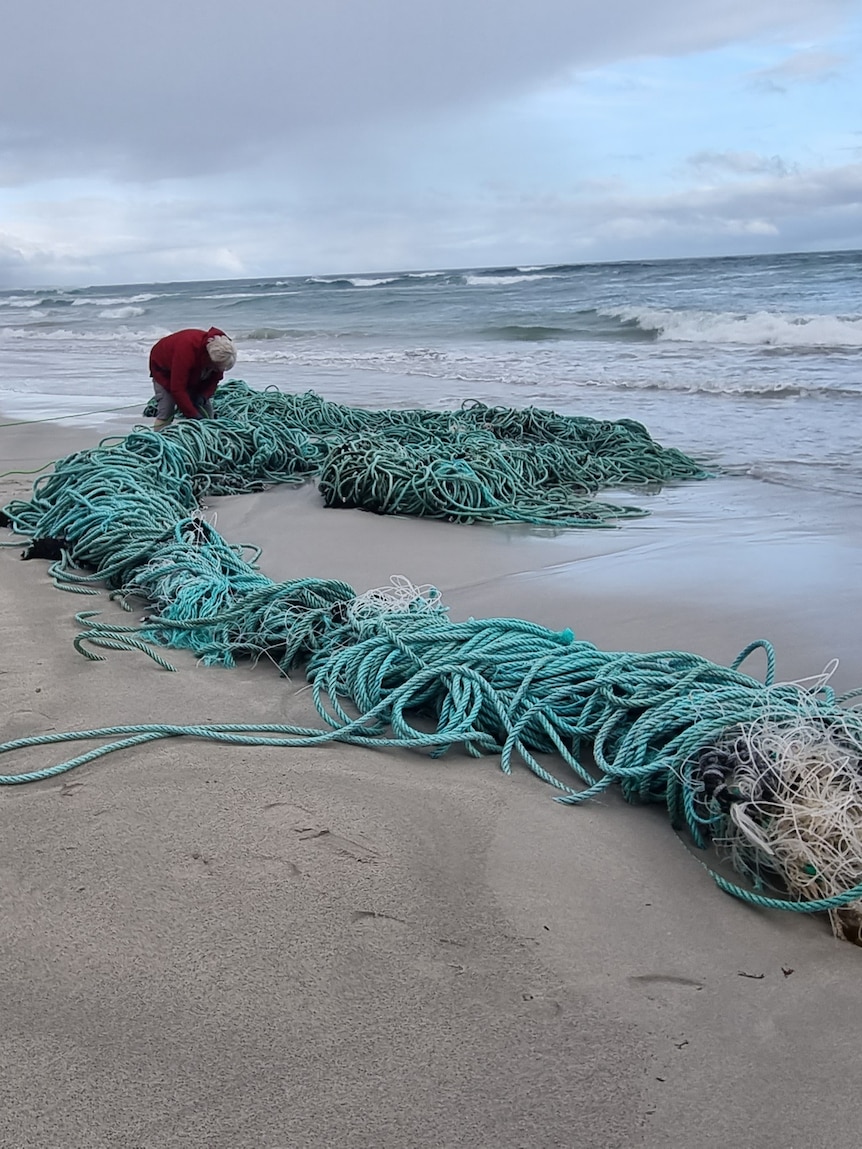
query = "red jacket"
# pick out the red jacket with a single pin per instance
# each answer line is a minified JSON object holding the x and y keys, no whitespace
{"x":181,"y":364}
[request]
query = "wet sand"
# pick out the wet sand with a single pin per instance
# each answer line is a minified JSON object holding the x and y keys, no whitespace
{"x":715,"y":565}
{"x":265,"y":948}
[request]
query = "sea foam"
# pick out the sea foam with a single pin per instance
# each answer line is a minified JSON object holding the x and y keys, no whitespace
{"x":762,"y":328}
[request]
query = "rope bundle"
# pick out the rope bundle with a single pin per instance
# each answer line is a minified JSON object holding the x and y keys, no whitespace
{"x":475,"y":481}
{"x":389,"y":668}
{"x":476,"y":464}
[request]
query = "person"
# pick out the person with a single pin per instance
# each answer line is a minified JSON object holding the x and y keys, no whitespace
{"x":186,"y":368}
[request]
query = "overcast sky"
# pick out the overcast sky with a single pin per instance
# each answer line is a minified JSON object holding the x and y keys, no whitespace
{"x":173,"y":139}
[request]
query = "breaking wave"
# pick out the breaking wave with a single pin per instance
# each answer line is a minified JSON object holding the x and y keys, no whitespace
{"x":522,"y":333}
{"x":503,"y":280}
{"x":120,"y":301}
{"x":239,"y":296}
{"x":760,"y":329}
{"x":122,"y":312}
{"x":61,"y":334}
{"x":354,"y":280}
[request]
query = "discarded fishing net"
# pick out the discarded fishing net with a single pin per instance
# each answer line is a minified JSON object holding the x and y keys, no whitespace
{"x":786,"y":796}
{"x":476,"y":481}
{"x":474,"y":464}
{"x":768,"y":772}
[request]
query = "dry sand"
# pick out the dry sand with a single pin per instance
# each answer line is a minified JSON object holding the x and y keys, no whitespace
{"x":255,"y":949}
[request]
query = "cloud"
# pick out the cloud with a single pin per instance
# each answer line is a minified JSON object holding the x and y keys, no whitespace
{"x":118,"y":240}
{"x":12,"y":258}
{"x":742,"y":163}
{"x":293,"y":136}
{"x":808,"y":67}
{"x":820,"y":202}
{"x":23,"y":262}
{"x":173,"y":88}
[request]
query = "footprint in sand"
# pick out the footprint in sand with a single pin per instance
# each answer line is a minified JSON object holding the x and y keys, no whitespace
{"x":302,"y":823}
{"x":664,"y":986}
{"x":372,"y":915}
{"x":343,"y":847}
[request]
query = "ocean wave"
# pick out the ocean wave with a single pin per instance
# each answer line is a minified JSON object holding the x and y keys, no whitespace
{"x":375,"y":283}
{"x":122,"y":312}
{"x":759,"y":329}
{"x":828,"y":476}
{"x":350,"y":280}
{"x":587,"y":324}
{"x":356,"y":280}
{"x":503,"y":280}
{"x":726,"y":389}
{"x":119,"y":301}
{"x":62,"y":334}
{"x":266,"y":333}
{"x":242,"y":295}
{"x":386,"y":360}
{"x":362,"y":281}
{"x":522,"y":333}
{"x":33,"y":313}
{"x":534,"y":368}
{"x":269,"y":333}
{"x":26,"y":302}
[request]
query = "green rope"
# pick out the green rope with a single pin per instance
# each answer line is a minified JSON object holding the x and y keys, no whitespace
{"x":32,"y":471}
{"x":475,"y":464}
{"x":127,"y":515}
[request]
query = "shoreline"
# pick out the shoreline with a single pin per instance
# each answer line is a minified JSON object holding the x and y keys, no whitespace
{"x":370,"y":934}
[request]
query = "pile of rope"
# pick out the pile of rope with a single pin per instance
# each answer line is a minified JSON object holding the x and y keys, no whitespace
{"x":771,"y":773}
{"x":476,"y":464}
{"x":95,"y":499}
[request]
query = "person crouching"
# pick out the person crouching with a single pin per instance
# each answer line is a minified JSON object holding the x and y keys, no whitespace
{"x":186,"y":368}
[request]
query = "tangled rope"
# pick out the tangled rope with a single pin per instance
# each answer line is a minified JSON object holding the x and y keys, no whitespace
{"x":476,"y":464}
{"x":733,"y":760}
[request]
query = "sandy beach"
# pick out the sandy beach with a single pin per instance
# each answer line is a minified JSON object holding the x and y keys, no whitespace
{"x":262,"y":948}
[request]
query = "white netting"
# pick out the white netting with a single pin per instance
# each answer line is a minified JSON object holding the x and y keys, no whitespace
{"x":797,"y":804}
{"x":401,"y":596}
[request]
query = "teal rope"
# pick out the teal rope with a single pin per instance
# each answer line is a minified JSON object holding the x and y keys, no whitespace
{"x":128,"y":514}
{"x":292,"y":736}
{"x":476,"y":464}
{"x":814,"y":906}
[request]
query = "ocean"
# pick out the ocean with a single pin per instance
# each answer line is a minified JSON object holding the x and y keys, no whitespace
{"x":753,"y":364}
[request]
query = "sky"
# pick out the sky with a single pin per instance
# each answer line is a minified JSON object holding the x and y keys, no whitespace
{"x":176,"y":140}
